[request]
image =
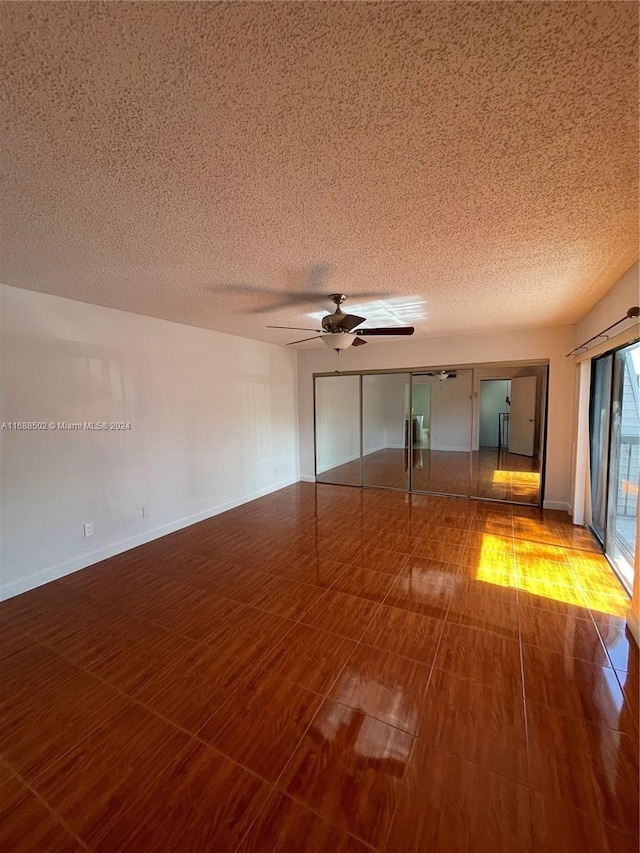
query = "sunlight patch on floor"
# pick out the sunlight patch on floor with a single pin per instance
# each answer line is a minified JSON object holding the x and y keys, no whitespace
{"x":546,"y":579}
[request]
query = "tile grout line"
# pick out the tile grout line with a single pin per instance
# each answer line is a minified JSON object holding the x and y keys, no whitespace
{"x":59,"y":819}
{"x":134,"y":700}
{"x":325,"y":697}
{"x":433,"y":666}
{"x":359,"y":642}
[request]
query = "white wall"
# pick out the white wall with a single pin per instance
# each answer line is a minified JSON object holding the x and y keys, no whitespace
{"x":520,"y":345}
{"x":383,"y":412}
{"x":337,"y":421}
{"x":395,"y":409}
{"x":451,"y":413}
{"x":213,"y":424}
{"x":614,"y":304}
{"x":373,"y":415}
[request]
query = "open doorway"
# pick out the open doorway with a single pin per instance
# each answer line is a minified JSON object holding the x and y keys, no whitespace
{"x":509,"y":435}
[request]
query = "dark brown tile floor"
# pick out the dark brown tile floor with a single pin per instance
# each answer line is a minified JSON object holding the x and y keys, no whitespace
{"x":441,"y":675}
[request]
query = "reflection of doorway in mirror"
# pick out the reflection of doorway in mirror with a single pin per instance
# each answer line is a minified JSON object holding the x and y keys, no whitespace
{"x":493,"y":402}
{"x":522,"y":423}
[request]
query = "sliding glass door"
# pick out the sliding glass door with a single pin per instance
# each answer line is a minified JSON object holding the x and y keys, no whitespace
{"x":600,"y":408}
{"x":620,"y":542}
{"x":615,"y":455}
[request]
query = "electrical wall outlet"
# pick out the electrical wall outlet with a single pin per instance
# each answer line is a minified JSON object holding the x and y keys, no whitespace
{"x":145,"y":512}
{"x":88,"y":529}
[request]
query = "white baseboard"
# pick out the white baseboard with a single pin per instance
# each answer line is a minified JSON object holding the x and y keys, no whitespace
{"x":339,"y":462}
{"x":376,"y":449}
{"x":307,"y":478}
{"x":633,"y":623}
{"x":562,"y":505}
{"x":75,"y":564}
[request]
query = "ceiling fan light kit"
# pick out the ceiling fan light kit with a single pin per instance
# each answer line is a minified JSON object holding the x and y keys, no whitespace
{"x":339,"y":330}
{"x":340,"y":341}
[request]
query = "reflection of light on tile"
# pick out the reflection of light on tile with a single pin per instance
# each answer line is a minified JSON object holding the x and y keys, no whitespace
{"x":398,"y":312}
{"x":516,"y":477}
{"x":552,"y":582}
{"x":614,"y":692}
{"x":624,"y":677}
{"x":332,"y":719}
{"x":395,"y":709}
{"x":373,"y":740}
{"x":427,"y":582}
{"x":371,"y":744}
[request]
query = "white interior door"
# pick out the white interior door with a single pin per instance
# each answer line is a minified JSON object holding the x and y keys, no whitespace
{"x":522,"y":420}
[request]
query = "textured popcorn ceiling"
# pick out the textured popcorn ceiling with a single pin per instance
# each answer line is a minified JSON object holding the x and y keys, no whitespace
{"x":475,"y":162}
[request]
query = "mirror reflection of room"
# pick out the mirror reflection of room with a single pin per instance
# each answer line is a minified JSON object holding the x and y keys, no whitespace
{"x":385,"y":406}
{"x":506,"y":457}
{"x":442,"y":431}
{"x":337,"y":407}
{"x":473,"y":432}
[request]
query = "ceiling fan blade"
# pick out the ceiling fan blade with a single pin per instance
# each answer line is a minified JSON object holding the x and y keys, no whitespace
{"x":350,"y":321}
{"x":294,"y":328}
{"x":387,"y":330}
{"x":359,"y":342}
{"x":315,"y":337}
{"x":284,"y":303}
{"x":275,"y":299}
{"x":371,"y":294}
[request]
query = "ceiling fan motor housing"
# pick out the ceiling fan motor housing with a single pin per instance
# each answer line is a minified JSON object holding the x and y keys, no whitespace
{"x":333,"y":322}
